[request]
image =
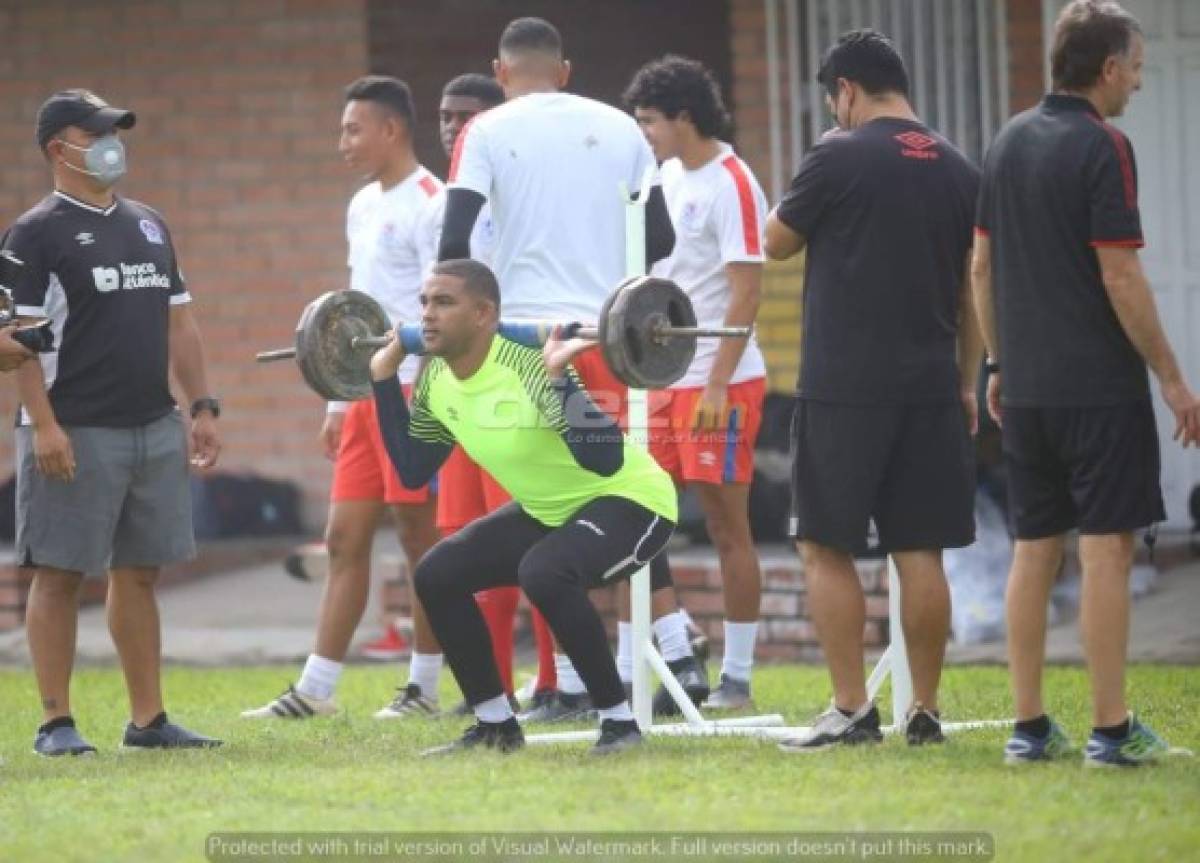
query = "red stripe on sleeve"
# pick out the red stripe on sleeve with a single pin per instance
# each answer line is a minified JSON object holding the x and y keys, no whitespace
{"x":458,"y":148}
{"x":428,"y":186}
{"x":1126,"y":162}
{"x":746,"y":201}
{"x":1135,"y":243}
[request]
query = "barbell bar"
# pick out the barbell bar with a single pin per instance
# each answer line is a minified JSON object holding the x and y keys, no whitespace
{"x":647,"y":332}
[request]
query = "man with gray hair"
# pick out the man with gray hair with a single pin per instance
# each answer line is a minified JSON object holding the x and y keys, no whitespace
{"x":1067,"y":313}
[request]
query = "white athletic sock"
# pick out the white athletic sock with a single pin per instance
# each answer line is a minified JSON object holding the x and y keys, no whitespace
{"x":739,"y":649}
{"x":568,"y":677}
{"x":494,"y":709}
{"x":671,"y":632}
{"x":423,"y":670}
{"x":621,"y":711}
{"x":319,"y":678}
{"x":625,"y":651}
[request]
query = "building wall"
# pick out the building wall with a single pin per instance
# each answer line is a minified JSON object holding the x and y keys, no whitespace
{"x":238,"y":106}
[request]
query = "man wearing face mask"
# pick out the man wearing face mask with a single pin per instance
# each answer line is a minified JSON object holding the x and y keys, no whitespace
{"x":102,"y":450}
{"x":886,"y":403}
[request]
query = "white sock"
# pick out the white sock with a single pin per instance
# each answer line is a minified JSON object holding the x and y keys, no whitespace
{"x":568,"y":677}
{"x":739,"y":649}
{"x":671,"y":632}
{"x":621,"y":711}
{"x":423,"y":670}
{"x":319,"y":678}
{"x":494,"y":709}
{"x":625,"y":651}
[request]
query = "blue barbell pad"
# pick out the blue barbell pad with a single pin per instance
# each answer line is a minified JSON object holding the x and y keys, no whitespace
{"x":532,"y":334}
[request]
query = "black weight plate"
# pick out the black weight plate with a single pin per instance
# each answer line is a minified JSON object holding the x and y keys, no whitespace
{"x":627,"y":322}
{"x":334,"y":369}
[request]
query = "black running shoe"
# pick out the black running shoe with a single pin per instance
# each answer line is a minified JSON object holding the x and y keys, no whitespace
{"x":503,"y":736}
{"x":161,"y":734}
{"x":834,"y":728}
{"x":923,"y":726}
{"x":58,"y":737}
{"x":561,"y":707}
{"x":691,"y":676}
{"x":617,"y":735}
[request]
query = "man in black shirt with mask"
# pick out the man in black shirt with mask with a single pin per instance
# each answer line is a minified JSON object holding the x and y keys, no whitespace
{"x":886,"y":401}
{"x":102,"y":451}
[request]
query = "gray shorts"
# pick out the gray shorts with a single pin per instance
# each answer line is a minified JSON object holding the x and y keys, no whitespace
{"x":129,"y":505}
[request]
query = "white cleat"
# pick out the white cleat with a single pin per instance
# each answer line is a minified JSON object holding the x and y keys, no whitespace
{"x":293,"y":705}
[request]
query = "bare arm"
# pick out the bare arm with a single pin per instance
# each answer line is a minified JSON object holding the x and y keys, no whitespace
{"x":981,"y":295}
{"x":745,"y":293}
{"x":187,"y":362}
{"x":970,"y":348}
{"x":781,"y":241}
{"x":51,"y":445}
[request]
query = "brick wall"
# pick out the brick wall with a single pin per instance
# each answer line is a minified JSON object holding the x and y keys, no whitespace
{"x":238,"y":106}
{"x":1026,"y":54}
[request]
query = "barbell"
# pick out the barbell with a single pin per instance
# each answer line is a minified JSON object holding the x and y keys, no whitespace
{"x":647,"y":334}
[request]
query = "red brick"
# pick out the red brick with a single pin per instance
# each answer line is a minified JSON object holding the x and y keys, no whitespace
{"x":776,"y":604}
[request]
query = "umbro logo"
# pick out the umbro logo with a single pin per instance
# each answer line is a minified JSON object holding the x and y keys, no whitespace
{"x":85,"y":238}
{"x":452,"y":413}
{"x":916,"y":145}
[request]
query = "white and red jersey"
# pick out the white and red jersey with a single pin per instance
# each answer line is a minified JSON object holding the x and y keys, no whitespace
{"x":382,"y":229}
{"x":718,"y":212}
{"x":483,"y":235}
{"x":550,"y":165}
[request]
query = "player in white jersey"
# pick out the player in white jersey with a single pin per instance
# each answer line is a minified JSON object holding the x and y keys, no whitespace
{"x":709,"y":419}
{"x":550,"y":164}
{"x":382,"y":231}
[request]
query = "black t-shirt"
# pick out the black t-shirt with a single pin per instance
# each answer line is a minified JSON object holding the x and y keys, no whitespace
{"x":1058,"y":182}
{"x":106,"y":278}
{"x":887,"y":210}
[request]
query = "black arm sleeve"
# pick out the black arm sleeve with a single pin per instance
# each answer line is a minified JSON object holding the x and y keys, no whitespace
{"x":462,"y":209}
{"x":595,"y":441}
{"x":660,"y":235}
{"x":415,"y":458}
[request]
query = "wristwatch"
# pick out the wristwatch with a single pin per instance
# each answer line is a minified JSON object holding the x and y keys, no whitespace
{"x":208,"y":403}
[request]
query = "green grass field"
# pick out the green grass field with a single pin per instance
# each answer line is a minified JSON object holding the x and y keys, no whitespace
{"x":352,"y":773}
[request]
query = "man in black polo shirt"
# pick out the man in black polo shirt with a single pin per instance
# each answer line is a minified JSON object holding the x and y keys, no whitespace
{"x":884,"y":206}
{"x":102,"y":452}
{"x":1067,"y":313}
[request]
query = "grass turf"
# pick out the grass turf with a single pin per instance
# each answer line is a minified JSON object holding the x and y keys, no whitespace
{"x":351,"y":773}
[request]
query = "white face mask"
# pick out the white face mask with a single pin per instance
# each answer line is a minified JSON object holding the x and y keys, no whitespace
{"x":104,"y":160}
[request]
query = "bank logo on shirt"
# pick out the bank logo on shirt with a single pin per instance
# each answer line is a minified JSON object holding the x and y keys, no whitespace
{"x":152,"y":231}
{"x":130,"y":277}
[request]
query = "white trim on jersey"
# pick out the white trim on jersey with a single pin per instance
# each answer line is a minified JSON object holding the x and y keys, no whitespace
{"x":104,"y":211}
{"x":56,"y":309}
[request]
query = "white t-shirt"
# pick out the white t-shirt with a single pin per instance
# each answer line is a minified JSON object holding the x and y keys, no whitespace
{"x":385,"y":252}
{"x":550,"y":165}
{"x":483,"y":235}
{"x":718,"y":212}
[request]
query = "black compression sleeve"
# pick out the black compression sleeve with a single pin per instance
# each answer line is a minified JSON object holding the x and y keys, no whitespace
{"x":462,"y":209}
{"x":660,"y":235}
{"x":415,"y":460}
{"x":595,"y":441}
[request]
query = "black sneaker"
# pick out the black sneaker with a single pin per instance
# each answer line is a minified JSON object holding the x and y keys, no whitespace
{"x":161,"y":734}
{"x":923,"y":726}
{"x":561,"y":707}
{"x":617,"y":735}
{"x":834,"y":728}
{"x":691,"y":676}
{"x":58,"y":737}
{"x":503,"y":736}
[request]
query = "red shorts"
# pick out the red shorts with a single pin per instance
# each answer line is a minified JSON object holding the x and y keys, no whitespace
{"x":363,"y":470}
{"x":465,"y":492}
{"x":725,"y":456}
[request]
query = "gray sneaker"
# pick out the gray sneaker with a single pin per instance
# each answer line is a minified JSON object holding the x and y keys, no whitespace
{"x":833,"y":728}
{"x":162,"y":734}
{"x":617,"y":735}
{"x":730,"y":694}
{"x":62,"y":739}
{"x":562,"y":707}
{"x":691,"y":676}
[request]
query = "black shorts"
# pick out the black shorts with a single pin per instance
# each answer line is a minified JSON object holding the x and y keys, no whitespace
{"x":1092,"y":468}
{"x":911,"y":468}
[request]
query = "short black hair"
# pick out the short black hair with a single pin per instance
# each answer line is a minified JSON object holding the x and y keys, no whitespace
{"x":673,"y":84}
{"x":1086,"y":34}
{"x":477,"y":278}
{"x":531,"y":35}
{"x":473,"y":85}
{"x":869,"y":59}
{"x":391,"y":94}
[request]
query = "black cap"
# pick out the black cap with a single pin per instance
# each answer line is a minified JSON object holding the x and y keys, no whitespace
{"x":81,"y":108}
